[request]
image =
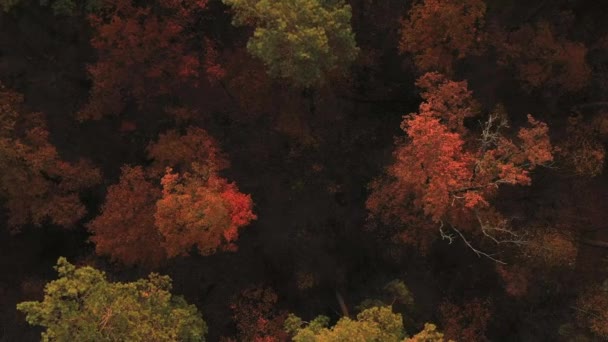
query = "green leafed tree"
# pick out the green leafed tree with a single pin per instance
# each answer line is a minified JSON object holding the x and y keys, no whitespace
{"x":300,"y":40}
{"x":374,"y":324}
{"x":82,"y":305}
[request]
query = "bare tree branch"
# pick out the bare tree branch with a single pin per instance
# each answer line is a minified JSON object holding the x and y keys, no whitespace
{"x":477,"y":251}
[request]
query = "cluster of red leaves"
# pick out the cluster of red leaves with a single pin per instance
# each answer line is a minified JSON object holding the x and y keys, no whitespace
{"x":256,"y":316}
{"x":439,"y":32}
{"x":36,"y":184}
{"x":467,"y":322}
{"x":149,"y":216}
{"x":592,"y":310}
{"x":146,"y":52}
{"x":442,"y":169}
{"x":541,"y":59}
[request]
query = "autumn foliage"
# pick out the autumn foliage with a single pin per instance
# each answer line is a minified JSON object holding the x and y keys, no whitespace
{"x":582,"y":152}
{"x":467,"y":322}
{"x":592,"y":310}
{"x":172,"y":212}
{"x":37,"y":185}
{"x":200,"y":209}
{"x":179,"y":151}
{"x":543,"y":59}
{"x":438,"y":32}
{"x":145,"y":53}
{"x":446,"y":172}
{"x":125,"y":228}
{"x":257,"y":317}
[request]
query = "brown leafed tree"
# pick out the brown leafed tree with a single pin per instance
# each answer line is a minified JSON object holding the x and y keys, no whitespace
{"x":36,"y":184}
{"x":439,"y":32}
{"x":541,"y":59}
{"x":592,"y":310}
{"x":466,"y":322}
{"x":257,"y":317}
{"x":179,"y":151}
{"x":125,"y":228}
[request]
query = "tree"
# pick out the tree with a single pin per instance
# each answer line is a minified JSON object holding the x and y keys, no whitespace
{"x":200,"y":209}
{"x":592,"y":310}
{"x":439,"y":32}
{"x":151,"y":215}
{"x":125,"y":228}
{"x":541,"y":59}
{"x":582,"y":151}
{"x":36,"y":184}
{"x":82,"y":305}
{"x":449,"y":176}
{"x":373,"y":324}
{"x":179,"y":151}
{"x":145,"y":53}
{"x":301,"y":40}
{"x":256,"y":316}
{"x":467,"y":322}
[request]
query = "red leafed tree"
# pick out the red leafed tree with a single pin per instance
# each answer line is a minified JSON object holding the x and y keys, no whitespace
{"x":201,"y":209}
{"x":542,"y":59}
{"x":256,"y":316}
{"x":36,"y":184}
{"x":125,"y":228}
{"x":179,"y":151}
{"x":450,"y":101}
{"x":449,"y":176}
{"x":439,"y":32}
{"x":146,"y":52}
{"x":467,"y":322}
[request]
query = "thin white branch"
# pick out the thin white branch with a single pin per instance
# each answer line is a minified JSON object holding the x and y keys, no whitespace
{"x":477,"y":251}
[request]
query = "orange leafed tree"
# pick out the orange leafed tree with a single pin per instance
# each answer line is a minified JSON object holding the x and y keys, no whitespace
{"x":439,"y":32}
{"x":152,"y":215}
{"x":449,"y":175}
{"x":37,"y":185}
{"x":146,"y":52}
{"x":542,"y":59}
{"x":200,"y":209}
{"x":125,"y":228}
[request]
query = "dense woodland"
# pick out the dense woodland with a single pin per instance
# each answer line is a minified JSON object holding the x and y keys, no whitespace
{"x":306,"y":170}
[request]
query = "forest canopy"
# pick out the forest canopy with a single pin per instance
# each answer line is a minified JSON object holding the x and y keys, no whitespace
{"x":303,"y":170}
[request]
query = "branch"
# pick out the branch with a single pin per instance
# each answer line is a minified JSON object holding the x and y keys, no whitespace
{"x":487,"y":230}
{"x":477,"y":251}
{"x":594,"y":243}
{"x":444,"y":235}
